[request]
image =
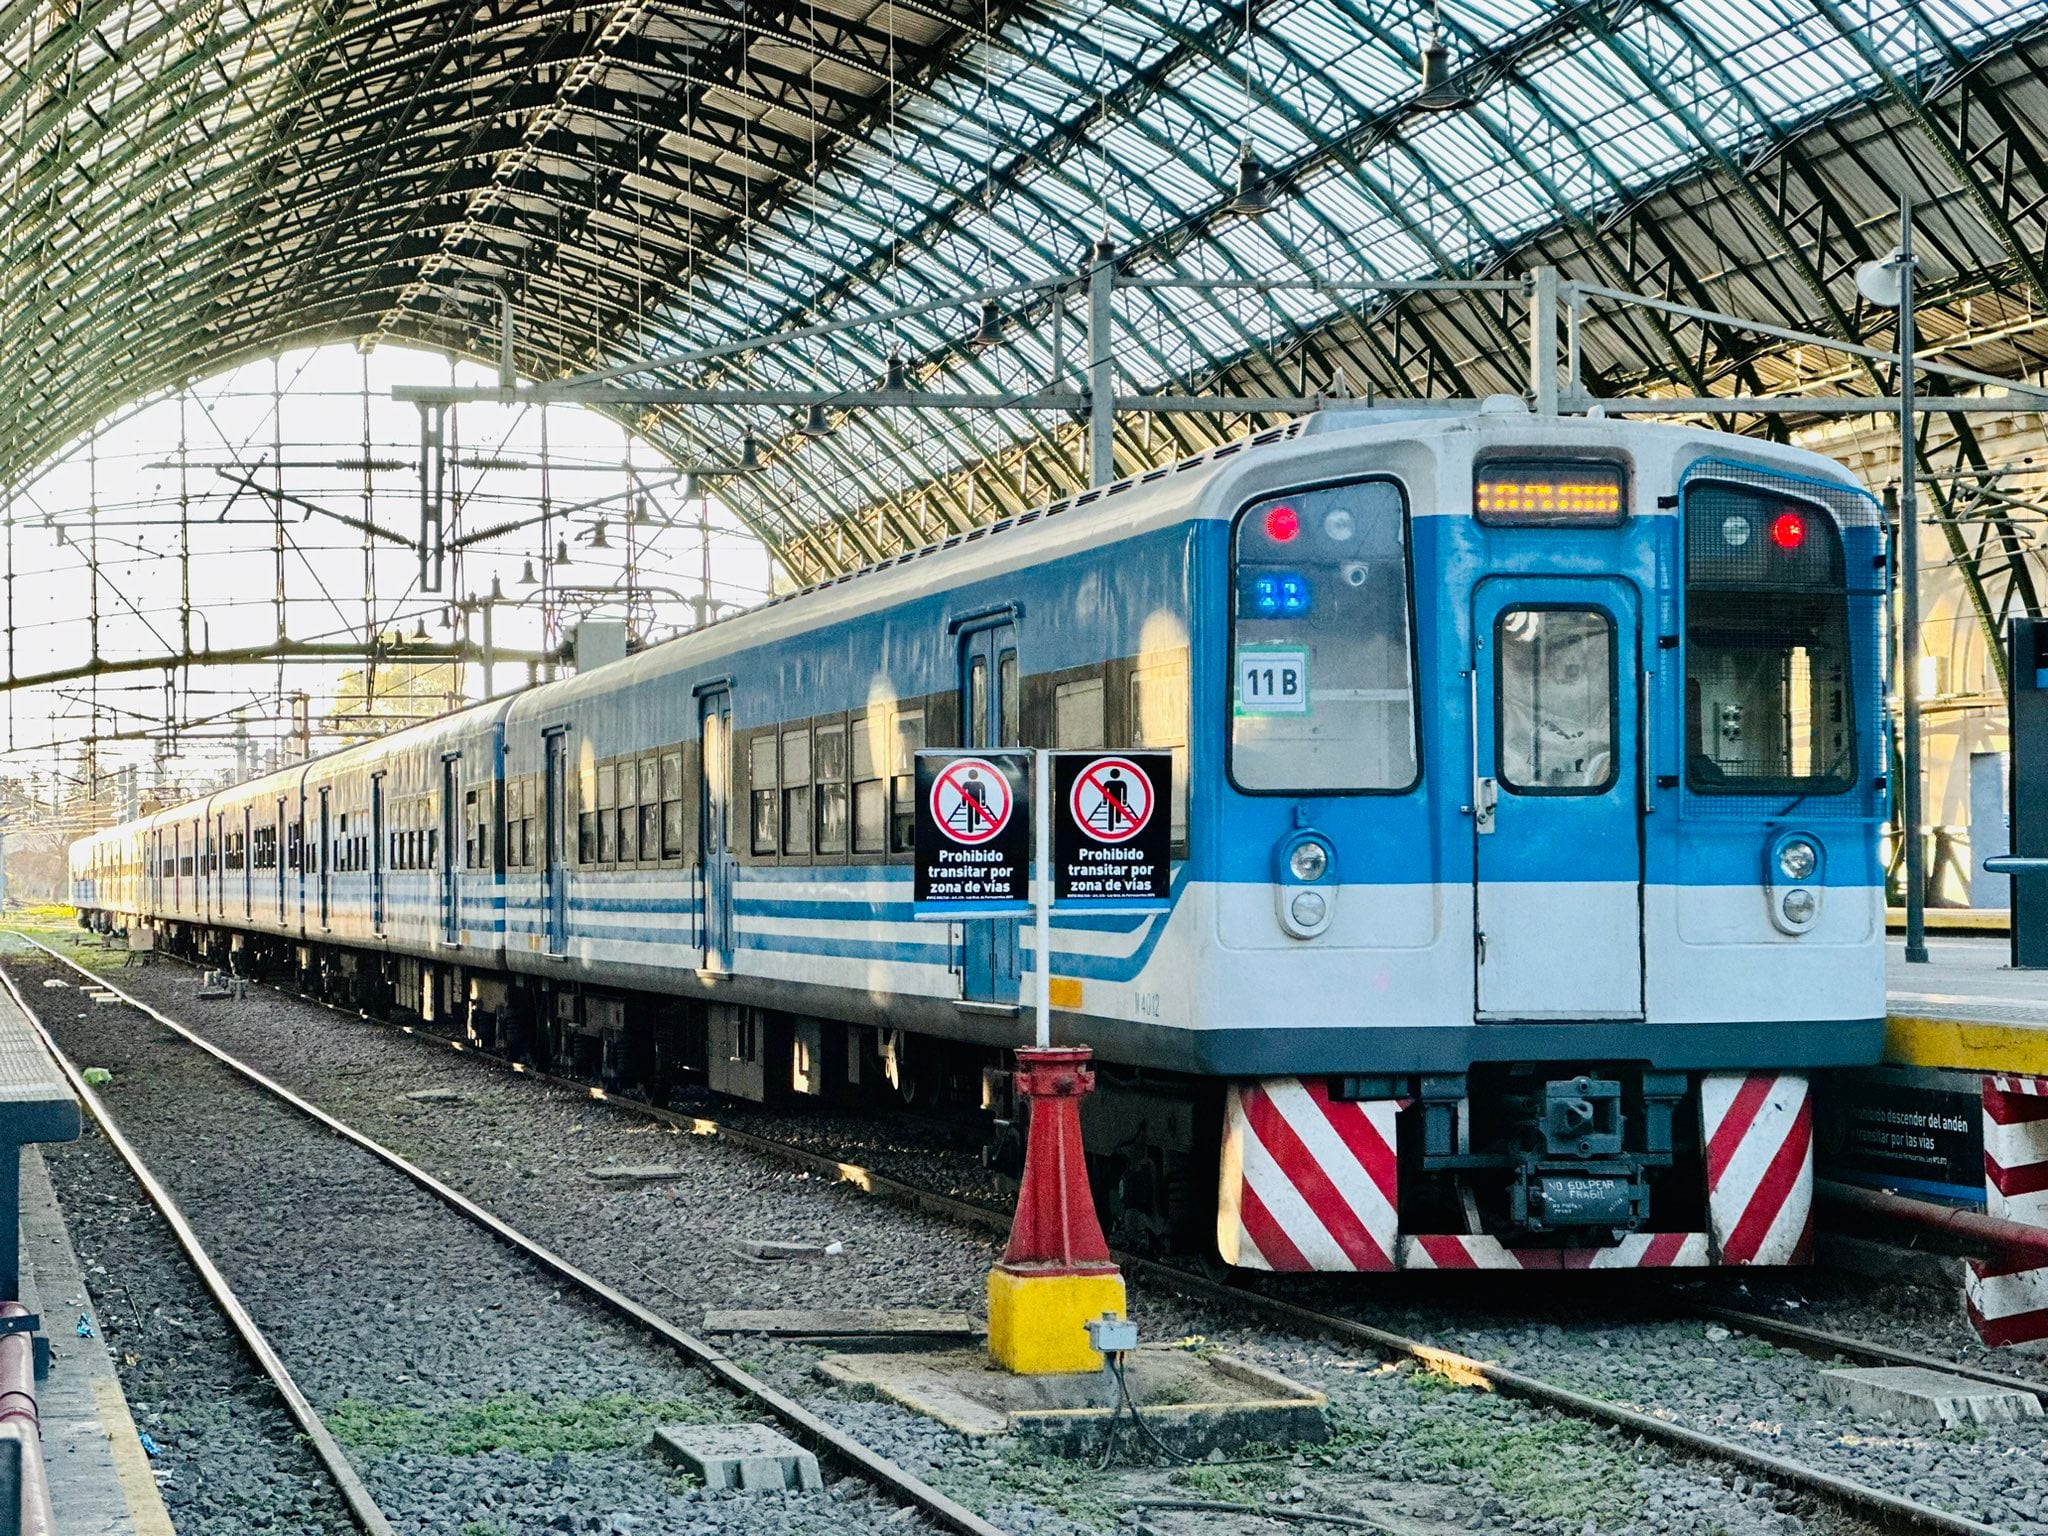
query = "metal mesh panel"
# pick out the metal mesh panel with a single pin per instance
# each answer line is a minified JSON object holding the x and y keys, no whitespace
{"x":1784,"y":662}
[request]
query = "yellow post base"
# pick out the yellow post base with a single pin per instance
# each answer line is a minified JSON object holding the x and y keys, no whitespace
{"x":1037,"y":1324}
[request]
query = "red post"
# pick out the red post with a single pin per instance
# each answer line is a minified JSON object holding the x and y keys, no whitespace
{"x":1057,"y":1273}
{"x":1056,"y":1230}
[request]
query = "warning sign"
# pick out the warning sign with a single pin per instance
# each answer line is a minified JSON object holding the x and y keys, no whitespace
{"x":1112,"y":840}
{"x":973,"y":832}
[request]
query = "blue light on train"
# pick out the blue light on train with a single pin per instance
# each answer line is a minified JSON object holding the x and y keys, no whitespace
{"x":1280,"y":595}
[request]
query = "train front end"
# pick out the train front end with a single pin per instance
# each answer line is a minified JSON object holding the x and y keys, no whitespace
{"x":1548,"y":876}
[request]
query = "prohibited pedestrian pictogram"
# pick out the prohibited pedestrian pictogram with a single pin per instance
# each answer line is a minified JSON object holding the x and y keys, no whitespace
{"x":1112,"y":800}
{"x":971,"y":801}
{"x":1112,"y":841}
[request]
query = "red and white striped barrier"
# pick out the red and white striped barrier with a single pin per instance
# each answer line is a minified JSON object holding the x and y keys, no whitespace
{"x":1758,"y":1129}
{"x":1308,"y":1181}
{"x":2008,"y":1298}
{"x":1309,"y":1184}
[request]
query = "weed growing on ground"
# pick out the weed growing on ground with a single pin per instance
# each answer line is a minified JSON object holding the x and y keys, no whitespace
{"x":1233,"y":1482}
{"x":1068,"y":1488}
{"x":511,"y":1421}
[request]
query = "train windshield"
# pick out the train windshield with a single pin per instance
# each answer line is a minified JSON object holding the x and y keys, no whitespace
{"x":1767,"y":669}
{"x":1323,"y":689}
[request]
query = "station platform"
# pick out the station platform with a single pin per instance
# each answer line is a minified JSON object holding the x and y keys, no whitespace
{"x":1965,"y":1009}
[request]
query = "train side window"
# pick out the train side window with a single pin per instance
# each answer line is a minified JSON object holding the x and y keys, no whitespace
{"x":433,"y":848}
{"x":1009,"y":701}
{"x":607,"y":813}
{"x":831,"y":796}
{"x":672,"y":804}
{"x":796,"y":791}
{"x":903,"y":778}
{"x":1077,"y":714}
{"x":1159,"y":722}
{"x":870,"y":792}
{"x":765,"y":818}
{"x":628,"y":812}
{"x":586,"y":820}
{"x":650,"y":808}
{"x":529,"y":805}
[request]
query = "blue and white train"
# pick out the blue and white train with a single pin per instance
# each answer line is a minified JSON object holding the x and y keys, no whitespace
{"x":1529,"y":779}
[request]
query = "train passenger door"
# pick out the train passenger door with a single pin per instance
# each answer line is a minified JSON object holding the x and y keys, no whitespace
{"x":555,"y":844}
{"x":991,"y":715}
{"x":325,"y":854}
{"x":1557,"y":800}
{"x":277,"y":850}
{"x":452,"y":847}
{"x":377,"y":853}
{"x":714,"y":824}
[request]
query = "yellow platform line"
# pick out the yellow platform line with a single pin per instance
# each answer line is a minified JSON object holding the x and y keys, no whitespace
{"x":1971,"y":1045}
{"x":131,"y":1464}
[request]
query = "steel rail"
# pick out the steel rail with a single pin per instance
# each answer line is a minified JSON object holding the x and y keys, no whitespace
{"x":362,"y":1508}
{"x":824,"y":1437}
{"x":1859,"y":1499}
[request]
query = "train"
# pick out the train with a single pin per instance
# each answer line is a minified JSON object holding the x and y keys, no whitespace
{"x":1529,"y":779}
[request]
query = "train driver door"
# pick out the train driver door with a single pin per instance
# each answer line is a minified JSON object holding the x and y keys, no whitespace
{"x":991,"y":715}
{"x":1557,"y":799}
{"x":714,"y":824}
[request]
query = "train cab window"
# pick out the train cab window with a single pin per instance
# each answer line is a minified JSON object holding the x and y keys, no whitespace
{"x":672,"y":804}
{"x":977,"y":702}
{"x":830,"y":814}
{"x":1767,"y":662}
{"x":1077,"y":715}
{"x":765,"y":817}
{"x":796,"y":792}
{"x":1555,"y":693}
{"x":1323,"y":681}
{"x":870,"y":791}
{"x":909,"y":739}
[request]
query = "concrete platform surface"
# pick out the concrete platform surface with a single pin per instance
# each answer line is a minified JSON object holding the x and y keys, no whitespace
{"x":1966,"y":1008}
{"x":1916,"y":1396}
{"x":100,"y":1479}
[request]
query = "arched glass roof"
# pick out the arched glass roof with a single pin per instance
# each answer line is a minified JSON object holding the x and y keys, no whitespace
{"x":194,"y":183}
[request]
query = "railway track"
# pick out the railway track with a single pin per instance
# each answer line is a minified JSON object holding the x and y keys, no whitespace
{"x":1858,"y":1499}
{"x":826,"y":1439}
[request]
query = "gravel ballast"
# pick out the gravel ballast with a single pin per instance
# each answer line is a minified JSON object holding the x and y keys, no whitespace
{"x":1406,"y":1444}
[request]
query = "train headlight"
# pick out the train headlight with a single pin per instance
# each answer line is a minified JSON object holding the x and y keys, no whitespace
{"x":1799,"y":906}
{"x":1797,"y":859}
{"x":1309,"y":861}
{"x":1305,"y":889}
{"x":1309,"y":909}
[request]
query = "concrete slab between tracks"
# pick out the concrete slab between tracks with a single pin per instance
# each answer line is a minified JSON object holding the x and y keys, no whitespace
{"x":100,"y":1478}
{"x":1194,"y":1403}
{"x":1914,"y":1395}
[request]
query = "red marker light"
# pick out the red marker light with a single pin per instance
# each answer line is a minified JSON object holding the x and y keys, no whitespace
{"x":1282,"y":524}
{"x":1789,"y":531}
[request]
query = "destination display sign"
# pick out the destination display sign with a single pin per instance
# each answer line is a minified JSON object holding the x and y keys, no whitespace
{"x":973,"y":835}
{"x":1112,"y":830}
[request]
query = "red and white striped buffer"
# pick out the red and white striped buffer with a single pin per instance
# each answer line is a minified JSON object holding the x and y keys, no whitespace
{"x":1758,"y":1130}
{"x":1639,"y":1250}
{"x":1308,"y":1181}
{"x":2008,"y":1298}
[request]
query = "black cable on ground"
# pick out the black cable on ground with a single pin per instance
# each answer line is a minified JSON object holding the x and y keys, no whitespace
{"x":1266,"y":1512}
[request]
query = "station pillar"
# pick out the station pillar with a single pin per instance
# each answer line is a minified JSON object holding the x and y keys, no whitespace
{"x":2027,"y":781}
{"x":1056,"y":1275}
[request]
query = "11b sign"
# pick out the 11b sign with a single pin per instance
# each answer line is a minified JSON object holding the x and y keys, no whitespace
{"x":1112,"y":830}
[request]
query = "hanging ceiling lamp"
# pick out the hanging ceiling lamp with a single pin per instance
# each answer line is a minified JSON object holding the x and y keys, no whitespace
{"x":750,"y":450}
{"x":817,"y":423}
{"x":597,"y":538}
{"x":1439,"y":92}
{"x":419,"y":629}
{"x":526,"y":577}
{"x":898,"y":376}
{"x":1254,"y":189}
{"x":641,"y":515}
{"x":989,"y":330}
{"x":562,"y":552}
